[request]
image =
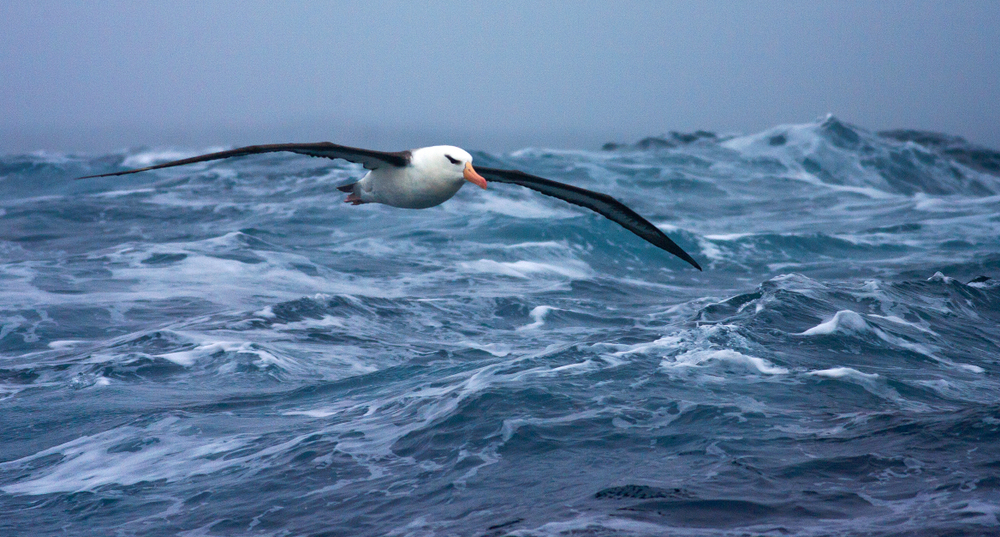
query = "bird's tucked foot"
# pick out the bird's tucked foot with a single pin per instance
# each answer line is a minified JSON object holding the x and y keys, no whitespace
{"x":353,"y":199}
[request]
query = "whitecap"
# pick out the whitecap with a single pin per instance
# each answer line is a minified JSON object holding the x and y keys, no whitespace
{"x":560,"y":245}
{"x":849,"y":322}
{"x":575,"y":270}
{"x":538,"y":314}
{"x":844,"y":372}
{"x":938,"y":277}
{"x":64,"y":343}
{"x":700,"y":358}
{"x":870,"y":382}
{"x":496,"y":349}
{"x":709,"y":249}
{"x":729,"y":237}
{"x":207,"y":349}
{"x":326,"y":321}
{"x":665,"y":342}
{"x":843,"y":322}
{"x":798,"y":283}
{"x":122,"y":193}
{"x":314,"y":413}
{"x":810,"y":157}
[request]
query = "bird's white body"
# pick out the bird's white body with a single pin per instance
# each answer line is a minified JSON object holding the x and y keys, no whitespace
{"x":431,"y":178}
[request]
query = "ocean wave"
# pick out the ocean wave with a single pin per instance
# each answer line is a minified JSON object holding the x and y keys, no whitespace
{"x":230,"y":349}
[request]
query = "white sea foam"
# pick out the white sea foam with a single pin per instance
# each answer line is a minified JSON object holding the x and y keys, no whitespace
{"x":531,"y":207}
{"x":222,"y":279}
{"x":89,"y":462}
{"x":701,"y":358}
{"x":728,"y":237}
{"x":899,"y":320}
{"x":496,"y":349}
{"x":970,"y":368}
{"x":844,"y":372}
{"x":800,"y":284}
{"x":943,"y":387}
{"x":777,"y":267}
{"x":164,"y":450}
{"x":314,"y":413}
{"x":148,"y":158}
{"x":63,"y":344}
{"x":872,"y":383}
{"x":848,"y":322}
{"x":938,"y":277}
{"x":538,"y":314}
{"x":559,"y":245}
{"x":572,"y":269}
{"x":803,"y":143}
{"x":710,"y":250}
{"x":183,"y":200}
{"x":699,"y":349}
{"x":189,"y":358}
{"x":843,"y":322}
{"x":379,"y":246}
{"x":326,"y":321}
{"x":511,"y":426}
{"x":664,"y":343}
{"x":583,"y":523}
{"x":204,"y":274}
{"x":123,"y":192}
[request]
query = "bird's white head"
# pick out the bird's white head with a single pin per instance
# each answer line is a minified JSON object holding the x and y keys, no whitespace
{"x":447,"y":161}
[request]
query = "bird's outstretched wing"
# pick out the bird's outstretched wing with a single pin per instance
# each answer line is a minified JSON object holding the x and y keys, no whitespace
{"x":369,"y":158}
{"x":595,"y":201}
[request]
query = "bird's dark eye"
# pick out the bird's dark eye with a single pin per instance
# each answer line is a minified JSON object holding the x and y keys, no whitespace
{"x":453,"y":160}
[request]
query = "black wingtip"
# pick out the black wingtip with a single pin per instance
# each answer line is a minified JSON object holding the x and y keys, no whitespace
{"x":684,"y":255}
{"x":687,"y":257}
{"x":126,"y":172}
{"x":666,"y":244}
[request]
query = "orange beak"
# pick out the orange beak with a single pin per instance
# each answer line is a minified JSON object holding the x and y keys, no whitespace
{"x":473,"y":177}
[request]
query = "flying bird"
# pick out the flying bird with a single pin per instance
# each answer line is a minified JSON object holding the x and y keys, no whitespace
{"x":429,"y":176}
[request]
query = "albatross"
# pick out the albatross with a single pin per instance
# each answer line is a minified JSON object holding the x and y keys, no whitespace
{"x":429,"y":176}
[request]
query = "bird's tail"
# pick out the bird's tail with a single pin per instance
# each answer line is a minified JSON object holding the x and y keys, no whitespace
{"x":347,"y":188}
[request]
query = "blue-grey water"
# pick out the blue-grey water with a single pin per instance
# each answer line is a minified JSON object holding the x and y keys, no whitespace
{"x":228,"y":349}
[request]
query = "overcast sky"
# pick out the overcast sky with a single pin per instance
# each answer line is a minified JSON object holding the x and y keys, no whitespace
{"x":103,"y":75}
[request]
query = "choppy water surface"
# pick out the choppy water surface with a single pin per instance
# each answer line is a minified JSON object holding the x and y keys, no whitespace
{"x":230,"y":350}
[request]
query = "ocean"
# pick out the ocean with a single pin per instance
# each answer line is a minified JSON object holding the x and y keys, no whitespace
{"x":229,"y":349}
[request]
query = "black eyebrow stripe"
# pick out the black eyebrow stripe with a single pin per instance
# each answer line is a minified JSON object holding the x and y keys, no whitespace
{"x":453,"y":160}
